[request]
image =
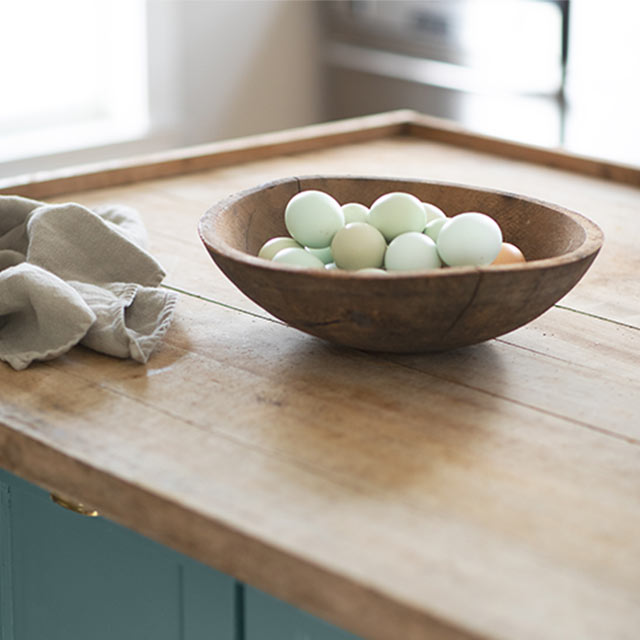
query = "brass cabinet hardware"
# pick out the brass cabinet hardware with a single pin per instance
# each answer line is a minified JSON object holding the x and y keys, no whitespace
{"x":76,"y":507}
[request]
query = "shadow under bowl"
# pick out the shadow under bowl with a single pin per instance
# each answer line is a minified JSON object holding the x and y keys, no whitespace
{"x":403,"y":312}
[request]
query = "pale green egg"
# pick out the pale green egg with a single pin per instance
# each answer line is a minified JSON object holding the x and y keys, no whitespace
{"x":298,"y":258}
{"x":355,"y":212}
{"x":432,"y":212}
{"x":323,"y":254}
{"x":469,"y":239}
{"x":271,"y":247}
{"x":313,"y":217}
{"x":373,"y":271}
{"x":433,"y":228}
{"x":412,"y":251}
{"x":396,"y":213}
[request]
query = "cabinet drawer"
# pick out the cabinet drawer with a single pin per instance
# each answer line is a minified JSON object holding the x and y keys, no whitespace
{"x":267,"y":618}
{"x":70,"y":577}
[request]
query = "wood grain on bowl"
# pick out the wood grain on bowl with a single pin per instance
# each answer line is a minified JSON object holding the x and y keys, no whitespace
{"x":405,"y":311}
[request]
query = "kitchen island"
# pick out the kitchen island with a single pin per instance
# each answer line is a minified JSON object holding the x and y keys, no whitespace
{"x":487,"y":492}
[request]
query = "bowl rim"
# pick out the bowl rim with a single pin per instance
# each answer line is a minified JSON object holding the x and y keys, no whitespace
{"x":594,"y":236}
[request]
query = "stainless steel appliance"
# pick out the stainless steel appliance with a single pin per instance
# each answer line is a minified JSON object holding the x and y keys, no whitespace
{"x":496,"y":66}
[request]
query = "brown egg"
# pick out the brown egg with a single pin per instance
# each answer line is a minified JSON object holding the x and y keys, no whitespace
{"x":509,"y":254}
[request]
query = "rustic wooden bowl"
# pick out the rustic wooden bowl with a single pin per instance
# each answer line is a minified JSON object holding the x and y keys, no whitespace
{"x":403,"y":311}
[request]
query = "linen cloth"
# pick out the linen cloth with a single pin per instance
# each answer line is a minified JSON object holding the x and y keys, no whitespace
{"x":72,"y":275}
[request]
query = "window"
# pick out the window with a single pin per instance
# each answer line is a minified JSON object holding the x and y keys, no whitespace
{"x":74,"y":75}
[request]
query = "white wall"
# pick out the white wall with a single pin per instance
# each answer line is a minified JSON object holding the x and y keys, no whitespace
{"x":218,"y":69}
{"x":248,"y":67}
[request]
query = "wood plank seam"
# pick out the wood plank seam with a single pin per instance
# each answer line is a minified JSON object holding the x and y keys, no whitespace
{"x":573,"y":421}
{"x":624,"y":438}
{"x":208,"y":428}
{"x":597,"y":317}
{"x":388,"y":360}
{"x":593,"y":427}
{"x":221,"y":304}
{"x":504,"y":340}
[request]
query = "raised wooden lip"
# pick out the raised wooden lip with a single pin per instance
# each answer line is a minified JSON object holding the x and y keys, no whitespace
{"x":594,"y":237}
{"x":402,"y":122}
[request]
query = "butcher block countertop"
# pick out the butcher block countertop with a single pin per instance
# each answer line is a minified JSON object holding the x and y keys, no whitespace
{"x":488,"y":492}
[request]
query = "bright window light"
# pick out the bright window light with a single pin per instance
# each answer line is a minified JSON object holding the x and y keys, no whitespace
{"x":75,"y":75}
{"x":603,"y":91}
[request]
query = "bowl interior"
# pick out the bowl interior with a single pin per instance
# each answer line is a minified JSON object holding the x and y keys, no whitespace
{"x":539,"y":230}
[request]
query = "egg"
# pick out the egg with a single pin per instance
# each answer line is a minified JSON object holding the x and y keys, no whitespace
{"x":509,"y":254}
{"x":469,"y":239}
{"x":355,"y":212}
{"x":313,"y":218}
{"x":330,"y":236}
{"x":372,"y":270}
{"x":358,"y":245}
{"x":323,"y":254}
{"x":396,"y":213}
{"x":432,"y":212}
{"x":433,"y":228}
{"x":298,"y":258}
{"x":411,"y":252}
{"x":271,"y":247}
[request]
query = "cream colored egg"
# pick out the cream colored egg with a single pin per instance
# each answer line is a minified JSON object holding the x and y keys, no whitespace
{"x":358,"y":245}
{"x":469,"y":239}
{"x":396,"y":213}
{"x":433,"y":228}
{"x":432,"y":212}
{"x":313,"y":217}
{"x":412,"y":251}
{"x":271,"y":247}
{"x":355,"y":212}
{"x":298,"y":258}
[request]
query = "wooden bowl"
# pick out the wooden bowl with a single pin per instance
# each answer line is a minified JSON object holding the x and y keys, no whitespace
{"x":403,"y":312}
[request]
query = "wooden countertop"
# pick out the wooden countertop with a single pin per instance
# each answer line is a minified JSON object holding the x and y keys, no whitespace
{"x":490,"y":492}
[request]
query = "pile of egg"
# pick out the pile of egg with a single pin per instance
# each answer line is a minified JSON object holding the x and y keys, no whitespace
{"x":397,"y":233}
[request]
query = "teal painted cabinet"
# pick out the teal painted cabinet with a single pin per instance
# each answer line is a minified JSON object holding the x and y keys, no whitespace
{"x":267,"y":618}
{"x":68,"y":577}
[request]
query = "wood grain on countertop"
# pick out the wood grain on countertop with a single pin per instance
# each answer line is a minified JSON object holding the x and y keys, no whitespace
{"x":489,"y":492}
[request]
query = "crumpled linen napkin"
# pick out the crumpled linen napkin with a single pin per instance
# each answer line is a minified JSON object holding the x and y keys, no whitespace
{"x":71,"y":275}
